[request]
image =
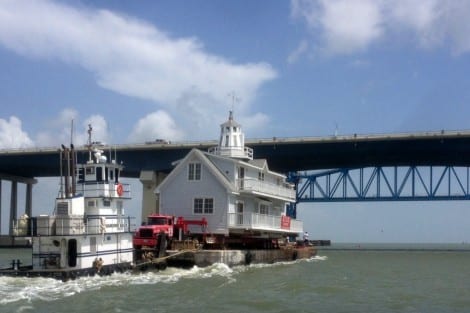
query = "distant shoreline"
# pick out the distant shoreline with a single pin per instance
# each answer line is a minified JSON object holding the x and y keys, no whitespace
{"x":392,"y":249}
{"x":437,"y":247}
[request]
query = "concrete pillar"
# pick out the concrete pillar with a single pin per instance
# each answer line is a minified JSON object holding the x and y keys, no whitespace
{"x":0,"y":206}
{"x":29,"y":200}
{"x":13,"y":205}
{"x":150,"y":180}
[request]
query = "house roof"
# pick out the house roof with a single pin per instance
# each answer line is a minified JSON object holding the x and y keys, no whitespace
{"x":261,"y":164}
{"x":198,"y":154}
{"x":230,"y":121}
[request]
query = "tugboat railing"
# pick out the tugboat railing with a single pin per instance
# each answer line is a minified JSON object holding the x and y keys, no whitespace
{"x":103,"y":189}
{"x":70,"y":225}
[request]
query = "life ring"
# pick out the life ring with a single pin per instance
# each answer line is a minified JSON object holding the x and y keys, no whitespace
{"x":119,"y":190}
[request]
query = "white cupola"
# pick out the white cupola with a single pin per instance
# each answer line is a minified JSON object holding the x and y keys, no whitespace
{"x":232,"y":141}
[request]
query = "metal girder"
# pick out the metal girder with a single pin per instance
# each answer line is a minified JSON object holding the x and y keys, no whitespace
{"x":412,"y":183}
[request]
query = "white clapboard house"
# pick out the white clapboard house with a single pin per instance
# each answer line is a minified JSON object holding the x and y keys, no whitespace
{"x":241,"y":199}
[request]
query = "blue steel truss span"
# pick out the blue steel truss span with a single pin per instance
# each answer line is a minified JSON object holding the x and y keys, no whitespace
{"x":412,"y":183}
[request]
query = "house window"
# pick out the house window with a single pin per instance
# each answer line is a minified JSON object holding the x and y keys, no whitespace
{"x":260,"y":176}
{"x":263,"y":209}
{"x":194,"y":171}
{"x":203,"y":206}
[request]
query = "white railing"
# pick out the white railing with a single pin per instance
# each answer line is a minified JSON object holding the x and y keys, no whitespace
{"x":262,"y":221}
{"x":283,"y":190}
{"x":67,"y":225}
{"x":246,"y":152}
{"x":103,"y":190}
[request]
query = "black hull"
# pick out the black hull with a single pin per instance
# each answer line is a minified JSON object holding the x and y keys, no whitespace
{"x":68,"y":274}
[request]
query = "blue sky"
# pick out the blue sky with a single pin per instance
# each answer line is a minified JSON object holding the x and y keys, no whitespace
{"x":140,"y":70}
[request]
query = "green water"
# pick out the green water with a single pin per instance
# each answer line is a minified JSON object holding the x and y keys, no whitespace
{"x":335,"y":281}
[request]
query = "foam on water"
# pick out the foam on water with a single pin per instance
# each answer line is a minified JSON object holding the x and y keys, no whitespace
{"x":13,"y":289}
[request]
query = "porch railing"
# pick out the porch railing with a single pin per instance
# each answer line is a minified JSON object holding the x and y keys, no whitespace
{"x":283,"y":190}
{"x":263,"y":221}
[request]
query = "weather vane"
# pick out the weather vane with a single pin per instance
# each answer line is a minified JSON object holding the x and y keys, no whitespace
{"x":234,"y":98}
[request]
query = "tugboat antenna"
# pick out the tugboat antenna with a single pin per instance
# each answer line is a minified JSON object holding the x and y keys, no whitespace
{"x":89,"y":141}
{"x":71,"y":133}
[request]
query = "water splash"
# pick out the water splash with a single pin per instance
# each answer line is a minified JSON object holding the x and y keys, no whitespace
{"x":14,"y":289}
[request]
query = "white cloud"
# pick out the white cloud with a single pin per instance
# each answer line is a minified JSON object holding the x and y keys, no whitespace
{"x":59,"y":130}
{"x":99,"y":129}
{"x":298,"y":52}
{"x":256,"y":122}
{"x":156,"y":125}
{"x":12,"y":135}
{"x":352,"y":26}
{"x":346,"y":26}
{"x":130,"y":56}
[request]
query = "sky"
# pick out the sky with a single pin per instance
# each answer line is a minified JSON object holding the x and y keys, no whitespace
{"x":141,"y":70}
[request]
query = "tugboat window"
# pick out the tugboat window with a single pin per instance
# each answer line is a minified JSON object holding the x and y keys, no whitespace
{"x":116,"y":176}
{"x":99,"y":174}
{"x":81,"y":175}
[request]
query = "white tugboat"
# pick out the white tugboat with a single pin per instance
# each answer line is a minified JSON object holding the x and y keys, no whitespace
{"x":88,"y":232}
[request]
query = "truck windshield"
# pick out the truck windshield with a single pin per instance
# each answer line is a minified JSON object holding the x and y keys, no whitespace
{"x":157,"y":221}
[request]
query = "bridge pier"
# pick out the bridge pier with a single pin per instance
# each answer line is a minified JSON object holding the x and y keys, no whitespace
{"x":150,"y":202}
{"x":14,"y":198}
{"x":0,"y":207}
{"x":13,"y":205}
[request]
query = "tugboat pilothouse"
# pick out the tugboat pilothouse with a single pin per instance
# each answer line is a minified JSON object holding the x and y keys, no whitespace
{"x":88,"y":232}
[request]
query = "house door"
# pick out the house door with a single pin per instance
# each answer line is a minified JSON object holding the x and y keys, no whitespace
{"x":241,"y":176}
{"x":240,"y":213}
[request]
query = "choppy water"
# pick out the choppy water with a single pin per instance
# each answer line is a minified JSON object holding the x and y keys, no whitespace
{"x":335,"y":281}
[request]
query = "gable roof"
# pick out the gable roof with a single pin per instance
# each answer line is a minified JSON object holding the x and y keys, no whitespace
{"x":260,"y":164}
{"x":202,"y":157}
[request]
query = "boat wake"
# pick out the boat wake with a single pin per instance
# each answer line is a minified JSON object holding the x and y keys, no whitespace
{"x":14,"y":289}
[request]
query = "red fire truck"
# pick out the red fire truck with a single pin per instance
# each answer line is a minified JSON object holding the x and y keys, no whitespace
{"x":160,"y":231}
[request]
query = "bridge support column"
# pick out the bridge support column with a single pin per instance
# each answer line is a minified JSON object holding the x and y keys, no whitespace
{"x":150,"y":202}
{"x":29,"y":200}
{"x":14,"y":198}
{"x":13,"y":205}
{"x":0,"y":206}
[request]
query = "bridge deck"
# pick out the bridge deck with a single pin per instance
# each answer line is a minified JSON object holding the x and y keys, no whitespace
{"x":283,"y":154}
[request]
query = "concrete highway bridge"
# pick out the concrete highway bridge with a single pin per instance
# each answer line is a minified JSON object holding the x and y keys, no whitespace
{"x":151,"y":161}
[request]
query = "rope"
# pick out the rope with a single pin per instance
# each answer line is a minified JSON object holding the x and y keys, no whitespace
{"x":158,"y":260}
